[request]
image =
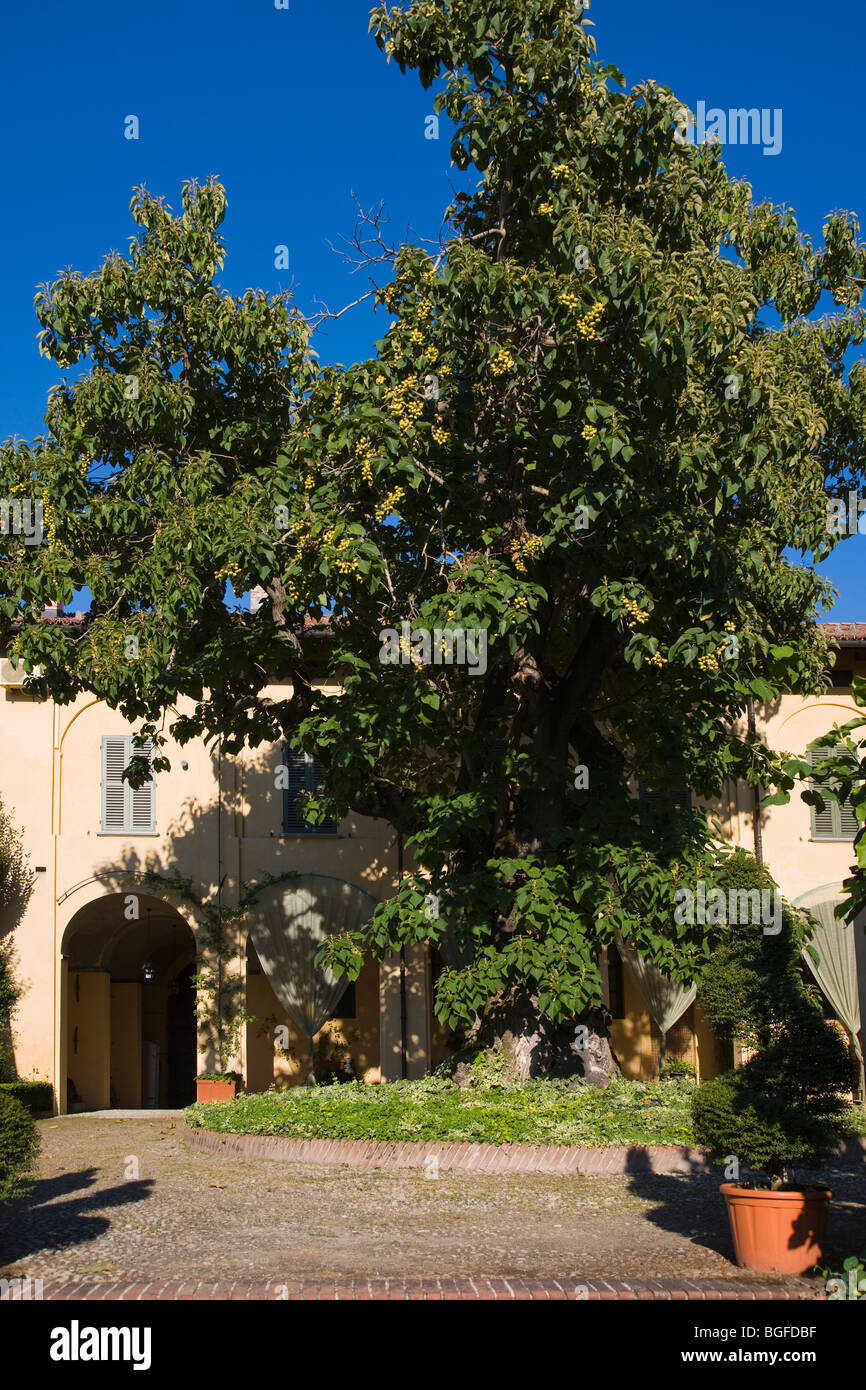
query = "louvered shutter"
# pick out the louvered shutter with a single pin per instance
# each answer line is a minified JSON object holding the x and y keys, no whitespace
{"x":835,"y":822}
{"x":125,"y":808}
{"x":113,"y":787}
{"x":141,"y":799}
{"x":304,"y":776}
{"x":680,"y":796}
{"x":848,"y":822}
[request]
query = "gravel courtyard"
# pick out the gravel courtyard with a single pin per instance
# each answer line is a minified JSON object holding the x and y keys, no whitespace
{"x":125,"y":1199}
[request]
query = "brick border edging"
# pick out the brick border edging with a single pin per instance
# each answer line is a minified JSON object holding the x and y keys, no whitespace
{"x":462,"y":1289}
{"x":476,"y":1158}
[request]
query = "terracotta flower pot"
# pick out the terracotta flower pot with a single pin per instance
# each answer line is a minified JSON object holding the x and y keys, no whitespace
{"x":777,"y":1232}
{"x":208,"y":1091}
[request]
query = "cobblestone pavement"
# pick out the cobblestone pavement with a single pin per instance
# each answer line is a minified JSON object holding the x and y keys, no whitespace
{"x":125,"y":1202}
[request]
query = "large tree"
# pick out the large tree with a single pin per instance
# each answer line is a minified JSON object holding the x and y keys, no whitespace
{"x":600,"y":418}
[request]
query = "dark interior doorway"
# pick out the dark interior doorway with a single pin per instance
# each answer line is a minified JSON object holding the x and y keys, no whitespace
{"x":181,"y":1039}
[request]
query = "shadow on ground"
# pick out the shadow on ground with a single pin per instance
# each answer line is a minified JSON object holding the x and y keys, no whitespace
{"x":691,"y":1206}
{"x":41,"y":1222}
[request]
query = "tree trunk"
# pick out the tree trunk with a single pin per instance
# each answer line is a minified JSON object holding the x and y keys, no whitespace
{"x":527,"y":1043}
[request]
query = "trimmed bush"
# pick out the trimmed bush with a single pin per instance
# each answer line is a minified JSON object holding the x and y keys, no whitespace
{"x":786,"y":1107}
{"x":35,"y":1096}
{"x":19,"y":1146}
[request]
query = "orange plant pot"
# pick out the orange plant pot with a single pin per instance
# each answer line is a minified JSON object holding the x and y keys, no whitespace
{"x":777,"y":1232}
{"x":208,"y":1091}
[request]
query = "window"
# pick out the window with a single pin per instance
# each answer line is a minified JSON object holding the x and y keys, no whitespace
{"x":835,"y":822}
{"x":653,"y":802}
{"x":842,"y":679}
{"x":126,"y":810}
{"x":304,"y":776}
{"x":347,"y":1006}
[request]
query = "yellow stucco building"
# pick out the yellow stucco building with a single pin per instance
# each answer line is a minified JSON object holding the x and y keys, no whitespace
{"x":107,"y":948}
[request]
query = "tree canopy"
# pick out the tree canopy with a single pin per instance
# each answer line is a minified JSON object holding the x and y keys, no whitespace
{"x":605,"y":413}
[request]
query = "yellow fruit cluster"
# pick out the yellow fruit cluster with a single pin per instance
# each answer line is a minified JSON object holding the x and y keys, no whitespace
{"x":657,"y":660}
{"x":440,"y":434}
{"x":521,"y":601}
{"x":405,"y":647}
{"x":364,"y":456}
{"x":545,"y":209}
{"x":589,"y":431}
{"x":388,"y":504}
{"x":634,"y":610}
{"x":503,"y":362}
{"x":342,"y":562}
{"x":560,"y":171}
{"x":570,"y":300}
{"x":524,"y":547}
{"x":730,"y":626}
{"x":232,"y":573}
{"x":709,"y":662}
{"x":587,"y":325}
{"x":49,"y":524}
{"x":405,"y":405}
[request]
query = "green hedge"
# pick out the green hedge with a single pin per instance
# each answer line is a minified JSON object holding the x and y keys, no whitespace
{"x":19,"y":1146}
{"x":35,"y":1096}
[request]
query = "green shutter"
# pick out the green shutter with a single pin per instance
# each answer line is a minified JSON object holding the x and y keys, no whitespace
{"x":835,"y":822}
{"x":304,"y":776}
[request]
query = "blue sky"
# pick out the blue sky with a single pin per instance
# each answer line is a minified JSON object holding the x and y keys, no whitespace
{"x":296,"y":109}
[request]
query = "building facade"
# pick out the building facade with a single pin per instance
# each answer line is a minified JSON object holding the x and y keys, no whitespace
{"x":108,"y":947}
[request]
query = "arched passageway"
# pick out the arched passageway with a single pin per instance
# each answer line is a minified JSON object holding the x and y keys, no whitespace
{"x":129,"y":1005}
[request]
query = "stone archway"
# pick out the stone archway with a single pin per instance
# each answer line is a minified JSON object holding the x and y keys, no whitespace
{"x":128,"y":1006}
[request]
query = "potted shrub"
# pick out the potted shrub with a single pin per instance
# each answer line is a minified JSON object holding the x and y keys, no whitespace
{"x":785,"y":1108}
{"x":677,"y":1069}
{"x":214,"y":1086}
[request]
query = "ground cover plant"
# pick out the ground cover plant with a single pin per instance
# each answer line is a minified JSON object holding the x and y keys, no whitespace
{"x":540,"y":1111}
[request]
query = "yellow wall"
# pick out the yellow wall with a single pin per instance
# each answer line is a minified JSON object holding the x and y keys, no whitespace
{"x":266,"y":1066}
{"x":418,"y":1006}
{"x":631,"y":1037}
{"x":126,"y":1044}
{"x":637,"y":1050}
{"x":89,"y":1038}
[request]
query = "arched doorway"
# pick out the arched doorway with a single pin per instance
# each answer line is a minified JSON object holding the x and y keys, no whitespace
{"x":129,"y":1005}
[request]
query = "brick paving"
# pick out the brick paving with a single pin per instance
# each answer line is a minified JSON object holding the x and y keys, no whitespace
{"x":479,"y":1158}
{"x":367,"y":1155}
{"x":438,"y":1290}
